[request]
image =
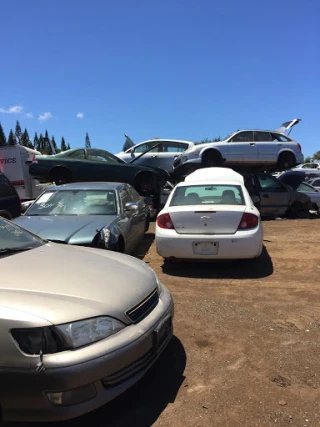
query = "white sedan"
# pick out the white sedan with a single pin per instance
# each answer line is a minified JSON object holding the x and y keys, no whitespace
{"x":209,"y":216}
{"x":159,"y":153}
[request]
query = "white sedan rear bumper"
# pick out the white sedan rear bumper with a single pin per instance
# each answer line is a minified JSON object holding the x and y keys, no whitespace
{"x":241,"y":245}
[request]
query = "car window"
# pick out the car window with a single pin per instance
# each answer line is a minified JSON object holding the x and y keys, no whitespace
{"x":246,"y":136}
{"x":6,"y":188}
{"x":135,"y":196}
{"x":310,"y":166}
{"x":125,"y":197}
{"x":143,"y":147}
{"x":173,"y":147}
{"x":316,"y":183}
{"x":14,"y":237}
{"x":74,"y":202}
{"x":279,"y":137}
{"x":268,"y":183}
{"x":78,"y":154}
{"x":208,"y":195}
{"x":102,"y":156}
{"x":305,"y":187}
{"x":260,"y":136}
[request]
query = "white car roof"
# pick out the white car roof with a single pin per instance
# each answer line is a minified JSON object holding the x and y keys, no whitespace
{"x":215,"y":175}
{"x":165,"y":140}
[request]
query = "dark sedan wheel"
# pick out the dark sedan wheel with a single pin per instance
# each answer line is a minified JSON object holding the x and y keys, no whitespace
{"x":211,"y":158}
{"x":119,"y":246}
{"x":286,"y":161}
{"x":61,"y":176}
{"x":5,"y":214}
{"x":298,"y":210}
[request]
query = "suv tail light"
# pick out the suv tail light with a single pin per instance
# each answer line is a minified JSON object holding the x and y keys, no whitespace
{"x":299,"y":146}
{"x":248,"y":221}
{"x":164,"y":221}
{"x":34,"y":159}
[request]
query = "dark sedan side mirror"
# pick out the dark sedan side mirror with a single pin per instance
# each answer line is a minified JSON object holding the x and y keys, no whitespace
{"x":131,"y":207}
{"x":256,"y":201}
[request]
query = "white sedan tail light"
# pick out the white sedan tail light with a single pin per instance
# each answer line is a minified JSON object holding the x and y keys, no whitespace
{"x":248,"y":221}
{"x":164,"y":221}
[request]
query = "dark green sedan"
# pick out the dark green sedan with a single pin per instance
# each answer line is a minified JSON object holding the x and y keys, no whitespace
{"x":89,"y":164}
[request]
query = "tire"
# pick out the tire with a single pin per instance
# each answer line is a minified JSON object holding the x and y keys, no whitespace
{"x":297,"y":210}
{"x":286,"y":161}
{"x":211,"y":158}
{"x":147,"y":224}
{"x":61,"y":176}
{"x":119,"y":246}
{"x":6,"y":215}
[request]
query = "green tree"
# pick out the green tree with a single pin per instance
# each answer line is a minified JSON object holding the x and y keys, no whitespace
{"x":316,"y":156}
{"x":206,"y":140}
{"x":25,"y":140}
{"x":36,"y":142}
{"x":63,"y":144}
{"x":307,"y":160}
{"x":11,"y":138}
{"x":42,"y":143}
{"x":68,"y":147}
{"x":88,"y":143}
{"x":3,"y":139}
{"x":18,"y":131}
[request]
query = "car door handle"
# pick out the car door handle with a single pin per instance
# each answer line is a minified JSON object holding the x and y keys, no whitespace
{"x":266,"y":196}
{"x":154,"y":156}
{"x":252,"y":143}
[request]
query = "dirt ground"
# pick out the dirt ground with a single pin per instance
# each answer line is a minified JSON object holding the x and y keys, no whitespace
{"x":246,"y":350}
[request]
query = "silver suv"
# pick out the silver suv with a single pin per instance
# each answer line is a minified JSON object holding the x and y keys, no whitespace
{"x":271,"y":149}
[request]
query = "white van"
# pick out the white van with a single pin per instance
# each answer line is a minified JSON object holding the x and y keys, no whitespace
{"x":14,"y":163}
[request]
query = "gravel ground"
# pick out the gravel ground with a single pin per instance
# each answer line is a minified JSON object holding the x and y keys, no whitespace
{"x":246,"y":350}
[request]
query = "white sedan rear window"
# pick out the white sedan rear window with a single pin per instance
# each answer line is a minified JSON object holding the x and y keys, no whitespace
{"x":208,"y":195}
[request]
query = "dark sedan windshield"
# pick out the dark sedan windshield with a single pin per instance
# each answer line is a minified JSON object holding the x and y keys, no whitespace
{"x":14,"y":239}
{"x":75,"y":202}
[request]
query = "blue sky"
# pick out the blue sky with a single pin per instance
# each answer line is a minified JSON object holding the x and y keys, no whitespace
{"x":173,"y":69}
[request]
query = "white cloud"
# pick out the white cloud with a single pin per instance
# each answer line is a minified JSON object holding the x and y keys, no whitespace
{"x":45,"y":116}
{"x":15,"y":109}
{"x":80,"y":115}
{"x":29,"y":115}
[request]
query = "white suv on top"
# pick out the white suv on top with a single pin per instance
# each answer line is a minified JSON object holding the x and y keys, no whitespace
{"x":271,"y":149}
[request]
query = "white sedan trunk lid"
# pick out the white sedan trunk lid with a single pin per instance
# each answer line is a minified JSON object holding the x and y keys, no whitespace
{"x":200,"y":219}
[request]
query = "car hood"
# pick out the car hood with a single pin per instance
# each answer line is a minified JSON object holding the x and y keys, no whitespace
{"x":71,"y":229}
{"x":293,"y":179}
{"x":128,"y":143}
{"x":62,"y":283}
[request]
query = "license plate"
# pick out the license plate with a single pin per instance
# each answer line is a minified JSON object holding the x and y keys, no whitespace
{"x":162,"y":330}
{"x":205,"y":248}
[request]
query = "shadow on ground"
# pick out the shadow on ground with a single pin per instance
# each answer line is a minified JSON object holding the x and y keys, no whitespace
{"x":142,"y":404}
{"x":143,"y":247}
{"x":237,"y":269}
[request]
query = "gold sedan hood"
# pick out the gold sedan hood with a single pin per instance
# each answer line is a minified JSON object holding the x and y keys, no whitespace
{"x":62,"y":283}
